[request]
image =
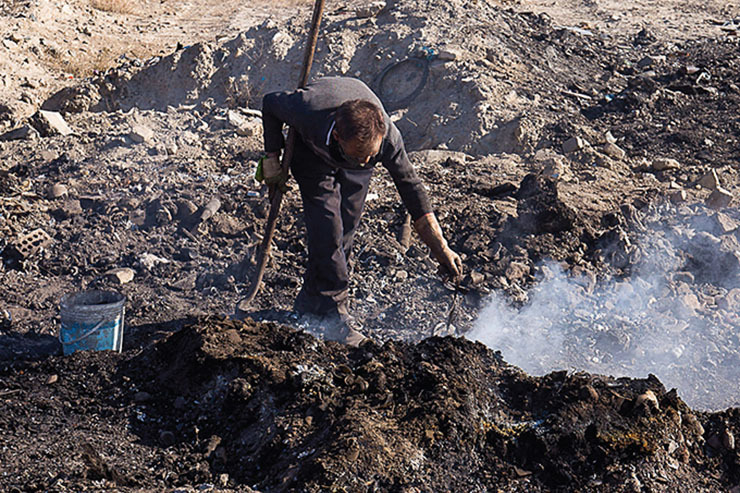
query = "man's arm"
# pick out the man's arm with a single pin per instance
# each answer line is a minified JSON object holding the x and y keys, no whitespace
{"x":276,"y":112}
{"x":415,"y":198}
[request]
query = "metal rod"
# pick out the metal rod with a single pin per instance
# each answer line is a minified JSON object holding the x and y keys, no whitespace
{"x":277,"y":195}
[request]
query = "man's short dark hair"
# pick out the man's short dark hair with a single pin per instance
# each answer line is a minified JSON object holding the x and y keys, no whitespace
{"x":359,"y":120}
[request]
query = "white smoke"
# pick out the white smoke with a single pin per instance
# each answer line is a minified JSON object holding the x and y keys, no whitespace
{"x":656,"y":321}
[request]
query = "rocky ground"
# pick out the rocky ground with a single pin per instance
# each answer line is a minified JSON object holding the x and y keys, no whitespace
{"x":581,"y":157}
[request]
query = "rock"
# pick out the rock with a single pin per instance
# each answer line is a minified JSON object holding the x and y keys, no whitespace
{"x":613,"y":150}
{"x":179,"y":403}
{"x":647,"y":401}
{"x":728,"y":439}
{"x":166,"y":438}
{"x":246,"y":127}
{"x":710,"y":181}
{"x":57,"y":190}
{"x":719,"y":199}
{"x":729,"y":302}
{"x":52,"y":123}
{"x":121,"y":275}
{"x":725,"y":223}
{"x":141,"y":134}
{"x":70,"y":207}
{"x":449,"y":53}
{"x":610,"y":139}
{"x":149,"y":260}
{"x":556,"y":168}
{"x":690,"y":303}
{"x":141,"y":397}
{"x":52,"y":379}
{"x":663,"y":164}
{"x":649,"y":61}
{"x":402,"y":275}
{"x":26,"y":132}
{"x":476,"y":277}
{"x":574,"y":144}
{"x":370,"y":10}
{"x":517,"y":271}
{"x":693,"y":425}
{"x":171,"y":148}
{"x":678,"y":197}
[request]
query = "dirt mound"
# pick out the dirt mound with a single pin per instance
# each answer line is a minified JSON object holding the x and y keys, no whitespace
{"x":262,"y":405}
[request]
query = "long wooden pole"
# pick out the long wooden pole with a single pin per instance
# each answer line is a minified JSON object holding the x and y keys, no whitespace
{"x":277,"y":195}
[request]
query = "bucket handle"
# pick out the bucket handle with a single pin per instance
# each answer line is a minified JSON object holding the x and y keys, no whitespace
{"x":83,"y":336}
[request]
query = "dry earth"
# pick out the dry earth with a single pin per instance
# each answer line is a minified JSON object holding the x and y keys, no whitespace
{"x":545,"y":133}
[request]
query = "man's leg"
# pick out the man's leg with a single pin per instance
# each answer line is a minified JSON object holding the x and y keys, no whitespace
{"x":326,"y":279}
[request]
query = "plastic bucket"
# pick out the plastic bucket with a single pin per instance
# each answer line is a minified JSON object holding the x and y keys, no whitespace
{"x":92,"y":320}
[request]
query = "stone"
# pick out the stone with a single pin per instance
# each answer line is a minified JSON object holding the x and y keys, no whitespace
{"x":149,"y":260}
{"x":647,"y":400}
{"x":613,"y":150}
{"x":517,"y":271}
{"x":141,"y":397}
{"x":57,"y":190}
{"x":574,"y":144}
{"x":121,"y":275}
{"x":725,"y":223}
{"x":171,"y":148}
{"x":372,"y":9}
{"x":679,"y":196}
{"x":476,"y":277}
{"x":166,"y":438}
{"x":179,"y":403}
{"x":693,"y":426}
{"x":54,"y":123}
{"x":719,"y":199}
{"x":663,"y":164}
{"x":26,"y":132}
{"x":402,"y":275}
{"x":690,"y":303}
{"x":141,"y":134}
{"x":449,"y":53}
{"x":557,"y":169}
{"x":729,"y":302}
{"x":650,"y":61}
{"x":52,"y":379}
{"x":246,"y":127}
{"x":710,"y":181}
{"x":610,"y":139}
{"x":728,"y":439}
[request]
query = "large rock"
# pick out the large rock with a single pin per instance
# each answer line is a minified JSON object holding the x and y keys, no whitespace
{"x":719,"y":199}
{"x":51,"y":123}
{"x":539,"y":209}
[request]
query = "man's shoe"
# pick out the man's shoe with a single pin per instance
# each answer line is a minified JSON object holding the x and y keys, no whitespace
{"x":347,"y":332}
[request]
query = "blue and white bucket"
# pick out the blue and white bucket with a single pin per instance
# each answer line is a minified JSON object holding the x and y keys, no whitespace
{"x":92,"y":320}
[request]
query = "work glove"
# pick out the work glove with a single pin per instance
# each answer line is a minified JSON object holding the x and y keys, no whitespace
{"x":270,"y":172}
{"x":431,"y":234}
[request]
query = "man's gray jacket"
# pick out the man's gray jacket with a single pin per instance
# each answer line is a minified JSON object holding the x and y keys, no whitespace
{"x":310,"y":111}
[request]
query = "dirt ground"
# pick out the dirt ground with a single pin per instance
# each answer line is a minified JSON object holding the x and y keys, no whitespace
{"x":581,"y":156}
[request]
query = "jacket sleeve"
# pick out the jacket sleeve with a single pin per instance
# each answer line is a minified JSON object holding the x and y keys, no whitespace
{"x":276,"y":112}
{"x":404,"y":176}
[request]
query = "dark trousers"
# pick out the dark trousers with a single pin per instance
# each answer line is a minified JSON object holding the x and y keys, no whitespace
{"x":333,"y":200}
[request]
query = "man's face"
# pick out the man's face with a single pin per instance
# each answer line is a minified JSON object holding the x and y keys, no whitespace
{"x":355,"y":152}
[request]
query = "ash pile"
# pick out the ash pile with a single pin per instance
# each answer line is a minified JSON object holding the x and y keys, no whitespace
{"x":587,"y":179}
{"x":233,"y":406}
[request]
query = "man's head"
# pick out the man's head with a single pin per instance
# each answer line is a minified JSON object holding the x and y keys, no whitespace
{"x":359,"y":128}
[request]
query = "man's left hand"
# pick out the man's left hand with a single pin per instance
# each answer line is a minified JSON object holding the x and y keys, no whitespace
{"x":450,"y":264}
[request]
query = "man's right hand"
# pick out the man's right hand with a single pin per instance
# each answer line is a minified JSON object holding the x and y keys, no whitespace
{"x":270,"y":171}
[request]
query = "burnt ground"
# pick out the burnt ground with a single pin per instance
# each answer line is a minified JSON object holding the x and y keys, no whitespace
{"x":642,"y":275}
